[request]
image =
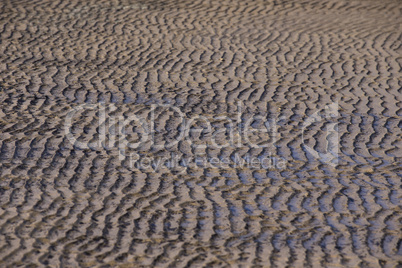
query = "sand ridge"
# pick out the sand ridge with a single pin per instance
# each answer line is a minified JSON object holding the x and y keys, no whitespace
{"x":66,"y":206}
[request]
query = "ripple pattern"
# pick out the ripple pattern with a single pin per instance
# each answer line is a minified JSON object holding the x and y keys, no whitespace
{"x":66,"y":206}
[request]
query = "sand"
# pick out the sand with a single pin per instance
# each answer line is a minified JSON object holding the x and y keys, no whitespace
{"x":325,"y":76}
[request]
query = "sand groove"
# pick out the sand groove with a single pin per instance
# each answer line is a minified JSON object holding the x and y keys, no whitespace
{"x":62,"y":206}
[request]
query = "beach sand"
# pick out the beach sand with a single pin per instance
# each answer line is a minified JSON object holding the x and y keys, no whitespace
{"x":322,"y":77}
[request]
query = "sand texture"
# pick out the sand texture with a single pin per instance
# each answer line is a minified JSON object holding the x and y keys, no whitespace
{"x":65,"y":205}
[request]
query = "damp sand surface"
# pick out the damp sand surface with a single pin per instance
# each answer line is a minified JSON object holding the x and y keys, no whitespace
{"x":258,"y":63}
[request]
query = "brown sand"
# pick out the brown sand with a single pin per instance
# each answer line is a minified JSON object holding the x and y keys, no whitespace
{"x":65,"y":206}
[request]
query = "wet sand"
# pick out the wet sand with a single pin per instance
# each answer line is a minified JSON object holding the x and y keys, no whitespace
{"x":85,"y":204}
